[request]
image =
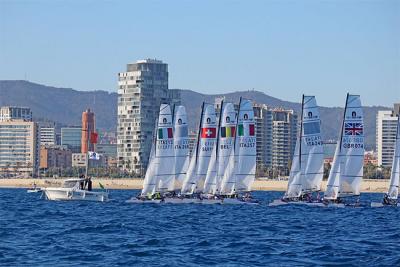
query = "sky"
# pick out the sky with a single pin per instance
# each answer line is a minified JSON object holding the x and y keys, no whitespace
{"x":282,"y":48}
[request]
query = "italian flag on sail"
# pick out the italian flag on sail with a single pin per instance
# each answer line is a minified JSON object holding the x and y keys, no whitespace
{"x":165,"y":133}
{"x":246,"y":130}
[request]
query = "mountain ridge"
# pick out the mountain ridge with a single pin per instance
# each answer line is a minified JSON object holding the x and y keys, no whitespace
{"x":65,"y":106}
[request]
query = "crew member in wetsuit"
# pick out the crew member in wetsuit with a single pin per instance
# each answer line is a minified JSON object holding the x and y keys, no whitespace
{"x":89,"y":187}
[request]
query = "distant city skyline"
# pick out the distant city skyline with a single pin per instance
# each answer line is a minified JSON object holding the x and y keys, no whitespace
{"x":282,"y":48}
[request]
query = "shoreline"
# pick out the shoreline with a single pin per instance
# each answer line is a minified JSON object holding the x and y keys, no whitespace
{"x":367,"y":185}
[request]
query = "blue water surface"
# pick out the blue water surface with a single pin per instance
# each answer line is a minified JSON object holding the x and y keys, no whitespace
{"x":36,"y":232}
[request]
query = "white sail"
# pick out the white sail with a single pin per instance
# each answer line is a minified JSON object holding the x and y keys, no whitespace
{"x":312,"y":151}
{"x":352,"y":148}
{"x":210,"y":183}
{"x":198,"y":166}
{"x":221,"y":152}
{"x":240,"y":171}
{"x":150,"y":179}
{"x":347,"y":169}
{"x":245,"y":147}
{"x":393,"y":191}
{"x":165,"y":154}
{"x":190,"y":180}
{"x":294,"y":183}
{"x":208,"y":136}
{"x":332,"y":186}
{"x":181,"y":145}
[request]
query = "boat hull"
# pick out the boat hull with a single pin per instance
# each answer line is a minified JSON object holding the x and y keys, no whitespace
{"x":141,"y":201}
{"x":182,"y":200}
{"x":236,"y":201}
{"x":381,"y":205}
{"x":60,"y":194}
{"x":211,"y":201}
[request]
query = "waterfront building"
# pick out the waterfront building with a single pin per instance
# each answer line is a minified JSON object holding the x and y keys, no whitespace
{"x":15,"y":113}
{"x":109,"y":150}
{"x":19,"y":148}
{"x":55,"y":157}
{"x":386,"y":125}
{"x":47,"y":134}
{"x":141,"y":90}
{"x":284,"y":135}
{"x":88,"y":127}
{"x":78,"y":160}
{"x":263,"y":119}
{"x":71,"y":138}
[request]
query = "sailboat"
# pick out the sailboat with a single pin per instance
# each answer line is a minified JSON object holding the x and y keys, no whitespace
{"x":193,"y":183}
{"x":391,"y":197}
{"x":220,"y":155}
{"x":181,"y":152}
{"x":308,"y":160}
{"x":346,"y":174}
{"x":159,"y":177}
{"x":239,"y":174}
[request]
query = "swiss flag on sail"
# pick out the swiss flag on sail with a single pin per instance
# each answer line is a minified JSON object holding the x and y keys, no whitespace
{"x":208,"y":132}
{"x":93,"y":137}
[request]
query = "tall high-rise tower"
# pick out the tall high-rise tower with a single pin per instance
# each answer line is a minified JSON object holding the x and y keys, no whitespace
{"x":141,"y":90}
{"x":88,"y":127}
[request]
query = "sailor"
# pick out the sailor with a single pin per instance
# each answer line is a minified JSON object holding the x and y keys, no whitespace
{"x":386,"y":199}
{"x":89,"y":187}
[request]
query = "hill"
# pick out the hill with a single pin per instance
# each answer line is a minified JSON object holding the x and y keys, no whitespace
{"x":65,"y":106}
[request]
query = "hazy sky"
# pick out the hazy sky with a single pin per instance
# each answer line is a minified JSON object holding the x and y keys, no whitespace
{"x":283,"y":48}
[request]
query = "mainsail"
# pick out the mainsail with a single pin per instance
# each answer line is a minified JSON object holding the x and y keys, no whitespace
{"x":181,"y":145}
{"x":208,"y":136}
{"x":197,"y":171}
{"x":393,"y":191}
{"x":312,"y":151}
{"x":240,"y":171}
{"x":347,"y":169}
{"x":308,"y":161}
{"x":220,"y":155}
{"x":245,"y":147}
{"x":210,"y":183}
{"x":165,"y":150}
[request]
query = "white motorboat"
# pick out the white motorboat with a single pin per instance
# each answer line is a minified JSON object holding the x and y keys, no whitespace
{"x":34,"y":189}
{"x":74,"y":189}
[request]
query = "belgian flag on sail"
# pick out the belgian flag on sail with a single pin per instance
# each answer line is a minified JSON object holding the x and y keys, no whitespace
{"x":228,"y":131}
{"x":165,"y":133}
{"x":246,"y":130}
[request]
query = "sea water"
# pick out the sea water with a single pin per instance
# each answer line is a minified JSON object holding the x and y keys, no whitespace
{"x":36,"y":232}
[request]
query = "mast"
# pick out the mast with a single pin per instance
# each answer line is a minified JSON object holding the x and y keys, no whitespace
{"x":87,"y":151}
{"x":199,"y":133}
{"x":234,"y":140}
{"x":344,"y":118}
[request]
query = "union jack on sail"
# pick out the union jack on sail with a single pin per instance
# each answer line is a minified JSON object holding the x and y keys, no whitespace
{"x":353,"y":128}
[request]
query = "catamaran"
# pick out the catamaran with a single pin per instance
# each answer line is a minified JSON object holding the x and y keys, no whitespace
{"x":159,"y":177}
{"x":346,"y":174}
{"x":220,"y":155}
{"x":391,"y":197}
{"x":181,"y":152}
{"x":193,"y":183}
{"x":308,"y":160}
{"x":240,"y":171}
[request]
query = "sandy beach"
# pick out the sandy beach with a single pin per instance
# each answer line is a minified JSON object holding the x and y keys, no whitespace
{"x":367,"y":185}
